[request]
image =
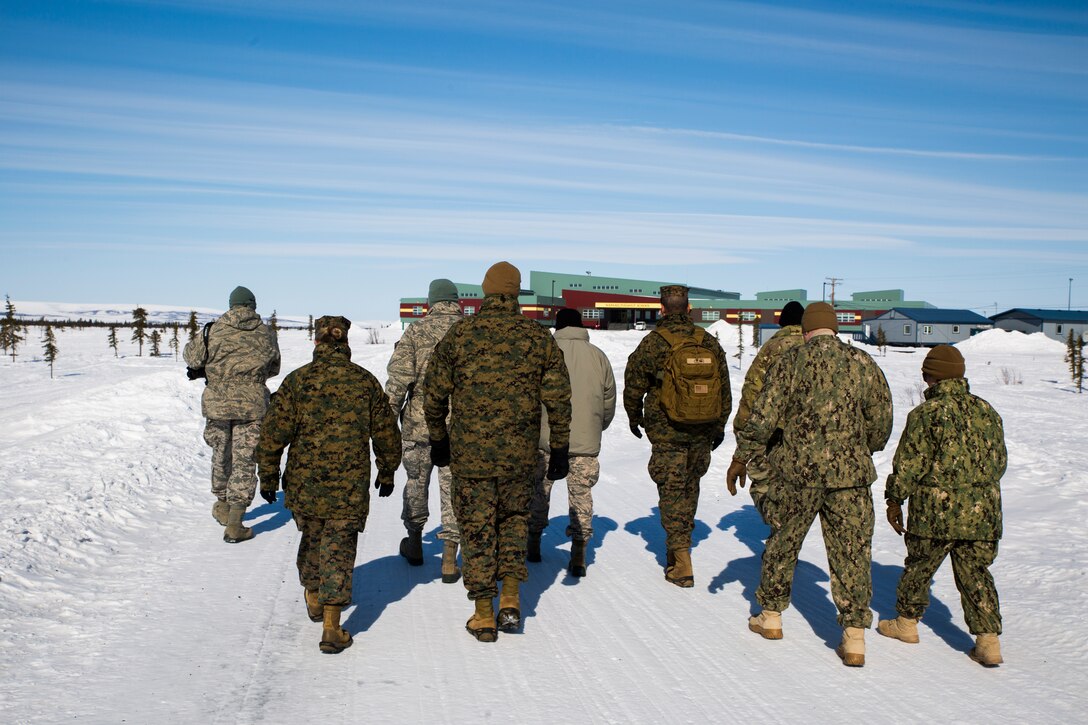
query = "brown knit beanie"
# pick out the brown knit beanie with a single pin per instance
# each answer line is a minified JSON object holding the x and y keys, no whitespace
{"x":944,"y":362}
{"x":817,"y":316}
{"x":502,"y":279}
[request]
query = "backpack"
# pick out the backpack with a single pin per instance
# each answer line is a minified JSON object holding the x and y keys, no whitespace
{"x":691,"y":383}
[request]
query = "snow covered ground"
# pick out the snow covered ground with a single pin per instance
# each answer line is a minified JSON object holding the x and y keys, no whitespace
{"x":121,"y":603}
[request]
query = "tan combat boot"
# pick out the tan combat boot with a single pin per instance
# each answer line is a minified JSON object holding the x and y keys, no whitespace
{"x":533,"y":552}
{"x":680,"y":572}
{"x":767,"y":624}
{"x":450,"y":572}
{"x":333,"y":637}
{"x":510,"y":605}
{"x":577,"y":558}
{"x":411,"y":548}
{"x":235,"y":531}
{"x":852,"y":648}
{"x":482,"y":624}
{"x":219,"y":511}
{"x":987,"y":650}
{"x":901,"y":628}
{"x":314,"y":610}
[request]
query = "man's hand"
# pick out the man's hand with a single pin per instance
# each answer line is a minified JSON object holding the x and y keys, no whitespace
{"x":384,"y":483}
{"x":717,"y":441}
{"x":895,"y":517}
{"x":736,"y":474}
{"x":440,"y":452}
{"x":269,"y":496}
{"x":558,"y":463}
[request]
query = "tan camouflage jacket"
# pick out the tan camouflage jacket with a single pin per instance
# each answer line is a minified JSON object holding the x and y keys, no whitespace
{"x":642,"y":380}
{"x":493,"y":370}
{"x":834,"y":408}
{"x":408,"y":366}
{"x":787,"y":337}
{"x":949,"y":463}
{"x":242,"y":354}
{"x":328,"y":412}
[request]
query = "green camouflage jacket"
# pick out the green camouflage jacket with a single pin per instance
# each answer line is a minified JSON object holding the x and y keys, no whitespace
{"x":242,"y":354}
{"x":328,"y":411}
{"x":642,"y":380}
{"x":949,"y":463}
{"x":834,"y":408}
{"x":492,"y":371}
{"x":784,"y":339}
{"x":408,"y":365}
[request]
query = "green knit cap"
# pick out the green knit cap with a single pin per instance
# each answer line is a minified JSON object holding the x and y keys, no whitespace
{"x":242,"y":296}
{"x":442,"y":290}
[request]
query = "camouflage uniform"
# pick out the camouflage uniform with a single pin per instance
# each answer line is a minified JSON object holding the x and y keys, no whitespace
{"x":328,"y":411}
{"x":949,"y":464}
{"x":242,"y":354}
{"x":593,"y":405}
{"x":758,"y":468}
{"x":834,"y":408}
{"x":680,"y":452}
{"x":493,"y":371}
{"x":407,"y":368}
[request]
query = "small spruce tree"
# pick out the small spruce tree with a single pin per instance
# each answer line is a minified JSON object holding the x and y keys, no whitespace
{"x":740,"y":345}
{"x":191,"y":326}
{"x":113,"y":339}
{"x":11,"y":330}
{"x":175,"y":343}
{"x":49,"y":348}
{"x":274,"y":322}
{"x":139,"y":327}
{"x":310,"y":328}
{"x":156,"y":341}
{"x":755,"y":334}
{"x":1078,"y":362}
{"x":1071,"y":353}
{"x":881,"y":340}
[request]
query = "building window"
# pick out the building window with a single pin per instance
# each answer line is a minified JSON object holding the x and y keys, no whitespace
{"x":748,"y":316}
{"x":592,"y":314}
{"x":845,"y":318}
{"x":417,"y":310}
{"x":709,"y":315}
{"x":955,"y":329}
{"x":1059,"y":329}
{"x":470,"y":310}
{"x":906,"y":329}
{"x":927,"y":329}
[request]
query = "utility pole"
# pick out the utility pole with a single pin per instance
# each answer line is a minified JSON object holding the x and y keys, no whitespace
{"x":1069,"y":301}
{"x":833,"y":281}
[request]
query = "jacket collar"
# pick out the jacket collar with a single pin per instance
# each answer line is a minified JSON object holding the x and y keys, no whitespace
{"x":572,"y":333}
{"x":500,"y":305}
{"x":336,"y":352}
{"x":951,"y":386}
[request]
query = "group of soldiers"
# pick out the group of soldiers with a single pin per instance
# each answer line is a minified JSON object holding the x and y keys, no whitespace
{"x":503,"y":409}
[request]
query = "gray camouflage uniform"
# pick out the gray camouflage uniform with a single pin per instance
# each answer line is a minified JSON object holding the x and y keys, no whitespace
{"x":242,"y":354}
{"x":407,"y":368}
{"x":834,"y":408}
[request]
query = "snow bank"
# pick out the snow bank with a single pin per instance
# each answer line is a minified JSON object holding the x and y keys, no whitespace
{"x":996,"y":342}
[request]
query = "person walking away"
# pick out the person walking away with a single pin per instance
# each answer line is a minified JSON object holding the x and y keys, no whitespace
{"x":676,"y":386}
{"x":593,"y":405}
{"x":490,"y":374}
{"x":328,"y":412}
{"x":404,"y":386}
{"x":834,"y":408}
{"x":241,"y":353}
{"x":948,"y":466}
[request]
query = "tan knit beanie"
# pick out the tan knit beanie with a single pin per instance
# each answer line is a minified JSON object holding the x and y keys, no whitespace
{"x":502,"y":279}
{"x":944,"y":362}
{"x":817,"y":316}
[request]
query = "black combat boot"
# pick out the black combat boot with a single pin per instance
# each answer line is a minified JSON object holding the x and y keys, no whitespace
{"x":411,"y":548}
{"x":533,"y":553}
{"x":577,"y":558}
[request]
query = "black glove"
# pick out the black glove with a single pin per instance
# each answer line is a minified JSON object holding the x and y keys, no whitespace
{"x":269,"y":496}
{"x":440,"y":452}
{"x":384,"y":483}
{"x":558,"y":463}
{"x":635,"y":429}
{"x":717,"y":441}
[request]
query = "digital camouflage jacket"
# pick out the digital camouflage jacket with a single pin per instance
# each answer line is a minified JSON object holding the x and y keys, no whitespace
{"x":328,"y":412}
{"x":492,"y":371}
{"x":834,"y":407}
{"x":408,"y":366}
{"x":949,"y":464}
{"x":642,"y":387}
{"x":242,"y":354}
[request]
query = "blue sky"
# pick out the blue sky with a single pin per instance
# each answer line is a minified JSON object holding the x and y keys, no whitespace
{"x":336,"y":156}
